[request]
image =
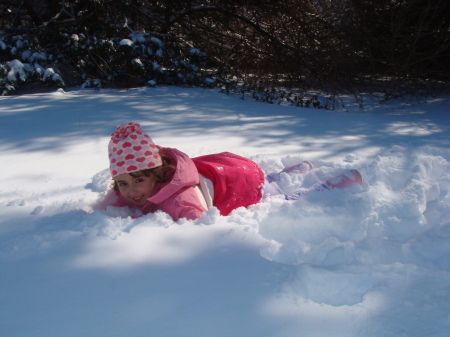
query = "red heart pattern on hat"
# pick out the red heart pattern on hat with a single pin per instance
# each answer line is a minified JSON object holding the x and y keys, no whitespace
{"x":131,"y":150}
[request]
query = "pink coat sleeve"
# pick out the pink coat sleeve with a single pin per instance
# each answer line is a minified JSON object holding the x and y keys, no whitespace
{"x":183,"y":204}
{"x":178,"y":198}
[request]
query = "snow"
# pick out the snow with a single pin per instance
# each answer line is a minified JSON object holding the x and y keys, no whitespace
{"x":38,"y":56}
{"x":138,"y":62}
{"x":364,"y":261}
{"x":19,"y":44}
{"x":157,"y":41}
{"x":195,"y":51}
{"x":126,"y":42}
{"x":17,"y":71}
{"x":156,"y":66}
{"x":137,"y":37}
{"x":50,"y":74}
{"x":198,"y":52}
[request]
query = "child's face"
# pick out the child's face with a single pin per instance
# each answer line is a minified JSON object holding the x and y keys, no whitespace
{"x":136,"y":189}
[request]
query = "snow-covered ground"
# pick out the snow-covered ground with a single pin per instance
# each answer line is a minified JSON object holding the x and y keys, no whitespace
{"x":368,"y":261}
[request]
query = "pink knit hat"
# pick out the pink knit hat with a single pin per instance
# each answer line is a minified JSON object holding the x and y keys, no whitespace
{"x":131,"y":150}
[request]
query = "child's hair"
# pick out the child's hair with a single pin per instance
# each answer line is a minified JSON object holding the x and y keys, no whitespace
{"x":162,"y":174}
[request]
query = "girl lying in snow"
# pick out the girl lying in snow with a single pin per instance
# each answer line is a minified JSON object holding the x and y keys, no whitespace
{"x":150,"y":178}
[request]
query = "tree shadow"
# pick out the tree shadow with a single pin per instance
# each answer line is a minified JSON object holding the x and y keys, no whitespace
{"x":174,"y":115}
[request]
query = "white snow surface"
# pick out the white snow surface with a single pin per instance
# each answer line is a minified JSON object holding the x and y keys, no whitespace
{"x":126,"y":42}
{"x":364,"y":261}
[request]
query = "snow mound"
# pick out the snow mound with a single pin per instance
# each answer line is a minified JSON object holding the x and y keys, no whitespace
{"x":404,"y":205}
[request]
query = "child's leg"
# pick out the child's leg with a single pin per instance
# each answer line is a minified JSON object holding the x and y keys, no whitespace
{"x":271,"y":189}
{"x":303,"y":167}
{"x":346,"y":179}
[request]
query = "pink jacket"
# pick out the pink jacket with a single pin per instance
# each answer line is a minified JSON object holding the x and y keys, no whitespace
{"x":237,"y":182}
{"x":178,"y":197}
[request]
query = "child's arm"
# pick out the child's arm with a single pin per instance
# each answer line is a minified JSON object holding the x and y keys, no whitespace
{"x":183,"y":204}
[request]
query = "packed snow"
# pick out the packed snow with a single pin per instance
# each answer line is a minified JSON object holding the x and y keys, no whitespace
{"x":370,"y":260}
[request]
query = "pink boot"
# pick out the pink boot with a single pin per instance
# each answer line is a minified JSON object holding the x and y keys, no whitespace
{"x":346,"y":179}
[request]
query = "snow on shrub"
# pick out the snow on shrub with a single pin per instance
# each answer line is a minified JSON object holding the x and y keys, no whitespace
{"x":39,"y":69}
{"x":50,"y":75}
{"x":15,"y":72}
{"x":95,"y":84}
{"x":209,"y":82}
{"x":157,"y":41}
{"x":122,"y":59}
{"x":126,"y":42}
{"x":138,"y":62}
{"x":137,"y":37}
{"x":18,"y":71}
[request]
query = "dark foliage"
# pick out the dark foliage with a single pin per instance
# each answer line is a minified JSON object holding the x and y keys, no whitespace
{"x":393,"y":47}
